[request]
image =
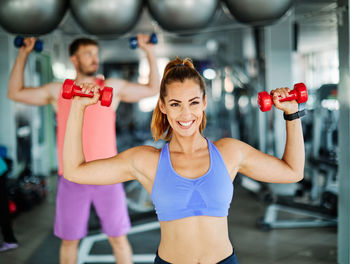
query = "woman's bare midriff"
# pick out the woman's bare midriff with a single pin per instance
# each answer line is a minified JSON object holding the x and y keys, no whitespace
{"x":193,"y":240}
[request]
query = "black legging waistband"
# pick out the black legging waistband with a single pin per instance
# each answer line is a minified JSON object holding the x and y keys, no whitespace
{"x":232,"y":259}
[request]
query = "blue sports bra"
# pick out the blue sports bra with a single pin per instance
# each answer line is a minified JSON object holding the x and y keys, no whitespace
{"x":178,"y":197}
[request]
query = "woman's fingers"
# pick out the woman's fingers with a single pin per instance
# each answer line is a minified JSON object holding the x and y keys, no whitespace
{"x":281,"y":93}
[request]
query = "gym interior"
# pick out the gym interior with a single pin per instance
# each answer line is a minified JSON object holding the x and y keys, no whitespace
{"x":241,"y":48}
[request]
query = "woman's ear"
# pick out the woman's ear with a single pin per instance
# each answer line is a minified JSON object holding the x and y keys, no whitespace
{"x":205,"y":102}
{"x":161,"y":106}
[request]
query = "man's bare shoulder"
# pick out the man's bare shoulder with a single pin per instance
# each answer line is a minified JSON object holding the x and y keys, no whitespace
{"x":53,"y":88}
{"x":115,"y":83}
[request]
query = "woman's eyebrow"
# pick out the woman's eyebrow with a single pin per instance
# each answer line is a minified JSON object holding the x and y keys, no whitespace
{"x":194,"y":98}
{"x":177,"y":101}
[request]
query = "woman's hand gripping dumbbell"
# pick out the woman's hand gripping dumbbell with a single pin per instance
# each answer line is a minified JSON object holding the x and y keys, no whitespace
{"x":105,"y":95}
{"x":299,"y":93}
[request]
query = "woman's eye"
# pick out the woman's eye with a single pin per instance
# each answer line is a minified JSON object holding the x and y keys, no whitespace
{"x":194,"y":103}
{"x":174,"y":104}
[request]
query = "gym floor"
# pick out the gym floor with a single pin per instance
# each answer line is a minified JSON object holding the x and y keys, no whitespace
{"x":33,"y":229}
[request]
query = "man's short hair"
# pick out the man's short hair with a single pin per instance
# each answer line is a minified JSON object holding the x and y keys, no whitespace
{"x":75,"y":45}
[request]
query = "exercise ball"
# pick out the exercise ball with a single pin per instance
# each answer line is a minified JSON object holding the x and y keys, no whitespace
{"x":258,"y":12}
{"x":177,"y":15}
{"x":31,"y":17}
{"x":106,"y":17}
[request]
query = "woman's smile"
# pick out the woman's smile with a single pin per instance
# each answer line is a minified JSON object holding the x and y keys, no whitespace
{"x":185,"y":124}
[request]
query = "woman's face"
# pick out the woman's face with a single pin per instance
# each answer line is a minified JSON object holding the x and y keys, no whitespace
{"x":184,"y":106}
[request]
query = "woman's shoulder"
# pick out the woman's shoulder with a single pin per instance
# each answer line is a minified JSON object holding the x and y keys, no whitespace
{"x":227,"y":142}
{"x":144,"y":161}
{"x":146,"y":150}
{"x":145,"y":155}
{"x":229,"y":147}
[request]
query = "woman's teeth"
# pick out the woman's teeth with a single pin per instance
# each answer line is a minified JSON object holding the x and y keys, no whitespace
{"x":185,"y":124}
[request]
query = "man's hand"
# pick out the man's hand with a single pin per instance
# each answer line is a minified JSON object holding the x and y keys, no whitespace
{"x":28,"y":45}
{"x":143,"y":42}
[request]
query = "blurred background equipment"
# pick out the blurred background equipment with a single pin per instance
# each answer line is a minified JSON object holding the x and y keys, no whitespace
{"x":31,"y":17}
{"x":105,"y":17}
{"x":182,"y":15}
{"x":258,"y":13}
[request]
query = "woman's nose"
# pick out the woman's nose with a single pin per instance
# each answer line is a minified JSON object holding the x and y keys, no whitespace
{"x":185,"y":111}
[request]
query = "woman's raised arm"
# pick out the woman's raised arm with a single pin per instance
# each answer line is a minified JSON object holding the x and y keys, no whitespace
{"x":271,"y":169}
{"x":99,"y":172}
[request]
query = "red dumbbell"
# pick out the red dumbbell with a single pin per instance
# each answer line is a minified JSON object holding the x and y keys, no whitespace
{"x":299,"y":93}
{"x":70,"y":89}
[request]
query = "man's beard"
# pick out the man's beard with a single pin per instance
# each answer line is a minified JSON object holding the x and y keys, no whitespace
{"x":87,"y":73}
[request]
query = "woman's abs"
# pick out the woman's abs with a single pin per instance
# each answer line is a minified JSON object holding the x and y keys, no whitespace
{"x":199,"y":239}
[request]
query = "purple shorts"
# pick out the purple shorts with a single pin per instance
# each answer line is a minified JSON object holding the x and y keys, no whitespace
{"x":73,"y":203}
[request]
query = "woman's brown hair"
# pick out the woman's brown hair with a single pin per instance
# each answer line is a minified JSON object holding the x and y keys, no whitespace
{"x":177,"y":70}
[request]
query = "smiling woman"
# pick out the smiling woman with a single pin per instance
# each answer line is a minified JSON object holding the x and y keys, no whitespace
{"x":187,"y":100}
{"x":190,"y":178}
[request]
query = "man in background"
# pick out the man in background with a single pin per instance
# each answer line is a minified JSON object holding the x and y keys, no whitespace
{"x":73,"y":201}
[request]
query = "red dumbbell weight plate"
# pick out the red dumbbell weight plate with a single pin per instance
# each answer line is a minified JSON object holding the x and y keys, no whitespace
{"x":264,"y":101}
{"x":67,"y":89}
{"x":301,"y":92}
{"x":106,"y":96}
